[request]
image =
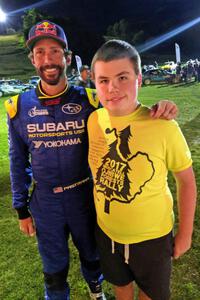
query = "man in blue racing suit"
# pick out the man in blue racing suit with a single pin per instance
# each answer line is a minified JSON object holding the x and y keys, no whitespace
{"x":49,"y":148}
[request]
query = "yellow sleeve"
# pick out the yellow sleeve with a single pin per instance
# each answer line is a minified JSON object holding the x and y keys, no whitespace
{"x":178,"y":152}
{"x":92,"y":97}
{"x":11,"y":106}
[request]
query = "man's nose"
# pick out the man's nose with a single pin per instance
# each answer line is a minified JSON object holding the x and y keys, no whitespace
{"x":47,"y":57}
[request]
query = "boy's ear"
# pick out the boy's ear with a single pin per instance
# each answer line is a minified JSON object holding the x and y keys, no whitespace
{"x":92,"y":76}
{"x":140,"y":80}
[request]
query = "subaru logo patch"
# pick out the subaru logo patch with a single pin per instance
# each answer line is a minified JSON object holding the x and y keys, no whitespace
{"x":71,"y":108}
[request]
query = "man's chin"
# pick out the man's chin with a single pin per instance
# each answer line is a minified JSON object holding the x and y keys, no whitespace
{"x":53,"y":81}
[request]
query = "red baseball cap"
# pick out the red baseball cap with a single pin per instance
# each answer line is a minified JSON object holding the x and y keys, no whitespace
{"x":46,"y":29}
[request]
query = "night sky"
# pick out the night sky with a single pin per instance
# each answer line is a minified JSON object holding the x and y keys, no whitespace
{"x":96,"y":16}
{"x":100,"y":14}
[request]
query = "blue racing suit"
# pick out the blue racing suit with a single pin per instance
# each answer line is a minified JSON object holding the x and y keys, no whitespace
{"x":49,"y":146}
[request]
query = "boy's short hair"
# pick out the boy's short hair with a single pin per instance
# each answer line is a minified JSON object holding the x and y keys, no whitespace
{"x":117,"y":49}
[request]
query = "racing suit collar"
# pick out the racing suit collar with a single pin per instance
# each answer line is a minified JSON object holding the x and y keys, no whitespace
{"x":47,"y":100}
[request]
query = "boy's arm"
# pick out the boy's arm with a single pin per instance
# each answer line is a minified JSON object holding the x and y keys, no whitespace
{"x":164,"y":109}
{"x":186,"y":195}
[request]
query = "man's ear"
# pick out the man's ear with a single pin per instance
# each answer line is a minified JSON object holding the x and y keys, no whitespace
{"x":31,"y":57}
{"x":139,"y":80}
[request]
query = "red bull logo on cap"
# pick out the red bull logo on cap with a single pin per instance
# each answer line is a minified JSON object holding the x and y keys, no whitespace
{"x":45,"y":27}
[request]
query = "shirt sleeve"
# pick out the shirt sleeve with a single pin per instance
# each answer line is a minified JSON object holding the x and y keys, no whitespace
{"x":178,"y":155}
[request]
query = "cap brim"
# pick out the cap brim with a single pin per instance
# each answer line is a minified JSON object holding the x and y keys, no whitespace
{"x":31,"y":42}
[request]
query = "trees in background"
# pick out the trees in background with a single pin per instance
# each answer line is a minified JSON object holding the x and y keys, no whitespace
{"x":81,"y":41}
{"x":124,"y":31}
{"x":30,"y":18}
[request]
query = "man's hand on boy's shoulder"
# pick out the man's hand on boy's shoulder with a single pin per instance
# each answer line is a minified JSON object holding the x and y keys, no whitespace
{"x":164,"y":109}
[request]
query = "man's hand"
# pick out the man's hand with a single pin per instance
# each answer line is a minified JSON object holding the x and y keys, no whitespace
{"x":164,"y":109}
{"x":27,"y":226}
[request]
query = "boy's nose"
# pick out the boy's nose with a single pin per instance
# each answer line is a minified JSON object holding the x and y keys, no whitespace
{"x":112,"y":87}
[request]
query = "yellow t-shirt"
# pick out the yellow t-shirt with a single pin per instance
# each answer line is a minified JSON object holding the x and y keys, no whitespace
{"x":130,"y":157}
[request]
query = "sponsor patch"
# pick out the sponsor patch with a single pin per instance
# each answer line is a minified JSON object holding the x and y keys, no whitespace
{"x":56,"y":144}
{"x":45,"y":27}
{"x":51,"y":102}
{"x":37,"y":112}
{"x":52,"y":127}
{"x":92,"y":97}
{"x":71,"y":108}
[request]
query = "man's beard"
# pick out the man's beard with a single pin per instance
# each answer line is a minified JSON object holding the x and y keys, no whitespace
{"x":54,"y":78}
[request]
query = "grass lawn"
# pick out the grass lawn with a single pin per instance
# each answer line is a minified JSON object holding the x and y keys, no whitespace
{"x":21,"y":271}
{"x":14,"y":59}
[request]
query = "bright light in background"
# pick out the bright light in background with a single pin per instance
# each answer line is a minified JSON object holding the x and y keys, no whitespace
{"x":5,"y":17}
{"x":2,"y":16}
{"x":35,"y":5}
{"x":159,"y":40}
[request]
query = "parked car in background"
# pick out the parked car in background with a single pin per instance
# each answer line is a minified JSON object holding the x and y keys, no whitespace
{"x":72,"y":79}
{"x":158,"y":76}
{"x":13,"y":87}
{"x":7,"y":90}
{"x":148,"y":67}
{"x":20,"y":85}
{"x":34,"y":80}
{"x":169,"y":66}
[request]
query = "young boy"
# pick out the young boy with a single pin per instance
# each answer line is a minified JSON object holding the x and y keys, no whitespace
{"x":130,"y":155}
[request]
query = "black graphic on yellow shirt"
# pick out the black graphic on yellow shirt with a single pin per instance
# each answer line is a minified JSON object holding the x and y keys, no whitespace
{"x":115,"y":177}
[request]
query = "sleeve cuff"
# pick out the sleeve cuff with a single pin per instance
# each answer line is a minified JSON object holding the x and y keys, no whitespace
{"x":23,"y":212}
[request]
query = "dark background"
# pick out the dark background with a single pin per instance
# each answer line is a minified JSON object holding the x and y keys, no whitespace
{"x":87,"y":22}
